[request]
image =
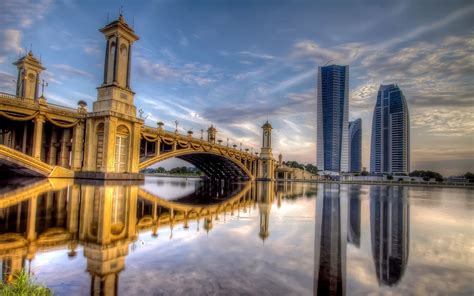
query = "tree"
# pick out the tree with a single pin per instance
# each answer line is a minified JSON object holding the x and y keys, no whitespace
{"x":364,"y":173}
{"x":294,"y":164}
{"x":312,"y":169}
{"x":389,"y":177}
{"x":426,"y":175}
{"x":469,"y":176}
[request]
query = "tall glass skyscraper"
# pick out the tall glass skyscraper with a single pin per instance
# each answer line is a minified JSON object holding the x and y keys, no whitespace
{"x":390,"y":147}
{"x":332,"y":120}
{"x":355,"y":145}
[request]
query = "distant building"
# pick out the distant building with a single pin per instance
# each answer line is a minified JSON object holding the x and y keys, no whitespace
{"x":355,"y":145}
{"x":390,"y":147}
{"x":332,"y":118}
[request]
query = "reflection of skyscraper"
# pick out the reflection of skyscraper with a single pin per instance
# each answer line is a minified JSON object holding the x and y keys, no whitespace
{"x":333,"y":112}
{"x":390,"y":227}
{"x":330,"y":243}
{"x":353,"y":231}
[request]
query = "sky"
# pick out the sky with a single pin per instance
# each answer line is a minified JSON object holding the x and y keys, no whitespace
{"x":235,"y":64}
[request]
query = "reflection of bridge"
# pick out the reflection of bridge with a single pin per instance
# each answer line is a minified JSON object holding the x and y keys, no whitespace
{"x":42,"y":139}
{"x":105,"y":220}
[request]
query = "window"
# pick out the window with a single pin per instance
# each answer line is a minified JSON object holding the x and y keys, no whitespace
{"x":121,"y":149}
{"x":100,"y":146}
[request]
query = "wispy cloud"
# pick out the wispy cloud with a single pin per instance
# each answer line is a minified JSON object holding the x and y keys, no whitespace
{"x":262,"y":56}
{"x":22,"y":13}
{"x":10,"y":43}
{"x":67,"y":72}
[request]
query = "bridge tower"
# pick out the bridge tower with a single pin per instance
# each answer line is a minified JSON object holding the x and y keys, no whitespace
{"x":113,"y":130}
{"x":29,"y":69}
{"x":211,"y":134}
{"x":266,"y":163}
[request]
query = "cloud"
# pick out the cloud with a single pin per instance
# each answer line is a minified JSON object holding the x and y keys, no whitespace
{"x":257,"y":55}
{"x":190,"y":73}
{"x":10,"y":41}
{"x":430,"y":74}
{"x":445,"y":122}
{"x":341,"y":54}
{"x":7,"y":81}
{"x":22,"y":13}
{"x":419,"y":30}
{"x":69,"y":72}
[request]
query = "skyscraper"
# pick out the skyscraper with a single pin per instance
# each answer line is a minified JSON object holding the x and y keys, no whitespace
{"x":332,"y":120}
{"x":355,"y":145}
{"x":390,"y":147}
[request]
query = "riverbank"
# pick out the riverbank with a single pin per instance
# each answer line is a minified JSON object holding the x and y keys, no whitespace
{"x":402,"y":183}
{"x":173,"y":176}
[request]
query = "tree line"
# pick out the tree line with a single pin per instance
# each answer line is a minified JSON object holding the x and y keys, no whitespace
{"x":174,"y":171}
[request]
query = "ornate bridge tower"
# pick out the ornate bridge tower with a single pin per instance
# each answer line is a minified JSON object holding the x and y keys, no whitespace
{"x":113,"y":129}
{"x":29,"y":69}
{"x":266,"y":163}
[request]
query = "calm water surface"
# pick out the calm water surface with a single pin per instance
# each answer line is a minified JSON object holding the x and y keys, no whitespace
{"x":175,"y":236}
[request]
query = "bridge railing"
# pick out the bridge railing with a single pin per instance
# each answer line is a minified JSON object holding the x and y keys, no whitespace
{"x":29,"y":103}
{"x":154,"y":130}
{"x":9,"y":96}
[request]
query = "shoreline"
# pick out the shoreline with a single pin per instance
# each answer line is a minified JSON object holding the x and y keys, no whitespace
{"x":173,"y":176}
{"x":395,"y":183}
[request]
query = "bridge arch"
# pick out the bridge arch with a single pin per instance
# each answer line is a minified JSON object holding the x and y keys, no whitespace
{"x":214,"y":164}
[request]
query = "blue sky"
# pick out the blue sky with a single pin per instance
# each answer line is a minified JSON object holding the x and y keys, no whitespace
{"x":236,"y":63}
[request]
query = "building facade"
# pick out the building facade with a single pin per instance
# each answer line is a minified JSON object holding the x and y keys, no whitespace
{"x":355,"y":145}
{"x":390,"y":147}
{"x":332,"y":118}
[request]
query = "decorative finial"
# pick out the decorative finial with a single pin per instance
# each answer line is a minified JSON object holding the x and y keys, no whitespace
{"x":43,"y":85}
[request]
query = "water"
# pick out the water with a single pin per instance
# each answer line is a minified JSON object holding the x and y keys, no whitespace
{"x":176,"y":236}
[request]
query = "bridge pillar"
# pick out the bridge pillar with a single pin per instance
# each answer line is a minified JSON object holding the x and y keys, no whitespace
{"x":77,"y":146}
{"x":266,"y":163}
{"x":51,"y":157}
{"x":64,"y":154}
{"x":38,"y":136}
{"x":113,"y":129}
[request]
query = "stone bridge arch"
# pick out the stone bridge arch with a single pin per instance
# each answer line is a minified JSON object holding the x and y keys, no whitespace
{"x":220,"y":164}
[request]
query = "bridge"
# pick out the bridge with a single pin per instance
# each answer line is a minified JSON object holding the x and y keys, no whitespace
{"x":38,"y":138}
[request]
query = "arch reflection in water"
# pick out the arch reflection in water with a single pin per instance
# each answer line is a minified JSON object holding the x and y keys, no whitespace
{"x":390,"y":232}
{"x":106,"y":221}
